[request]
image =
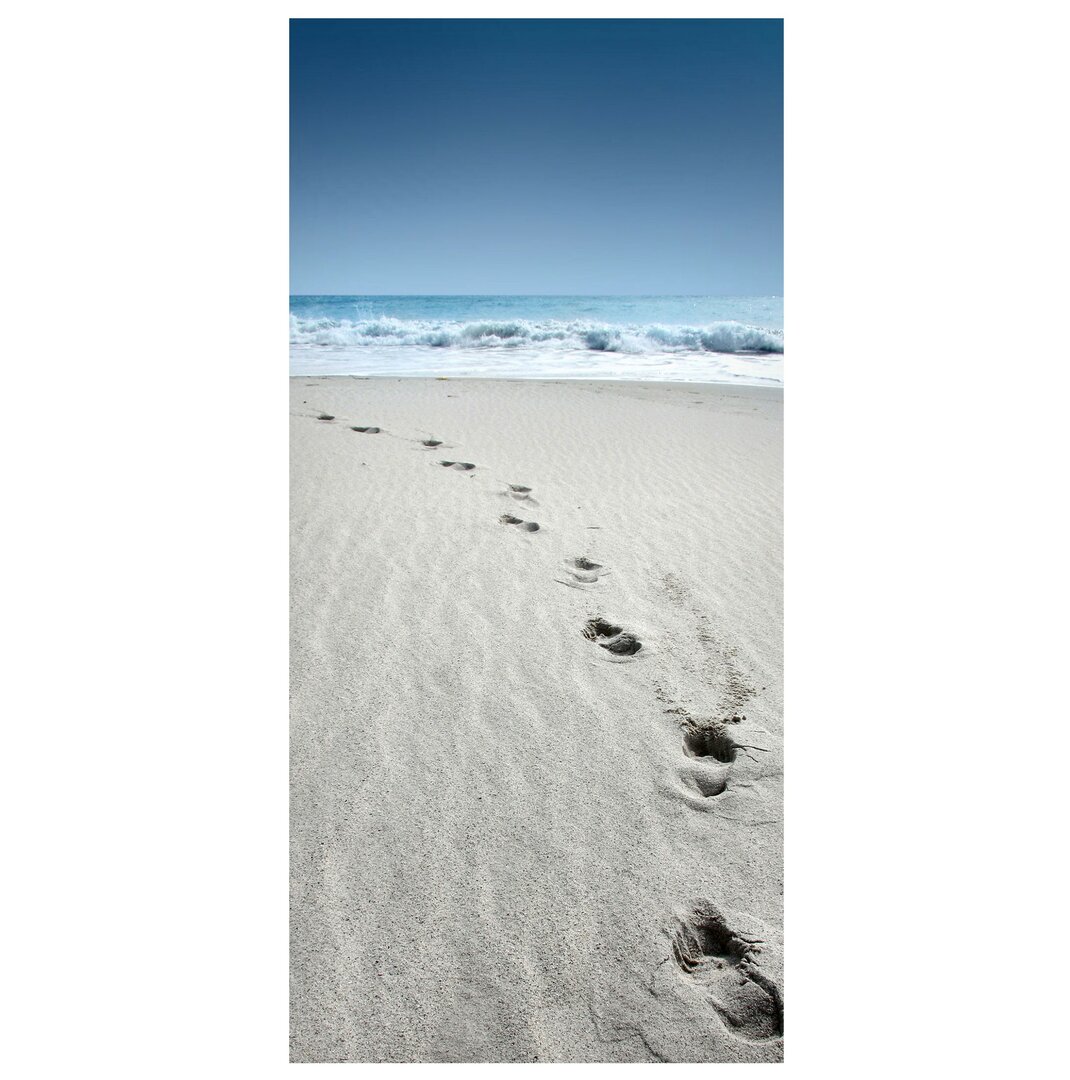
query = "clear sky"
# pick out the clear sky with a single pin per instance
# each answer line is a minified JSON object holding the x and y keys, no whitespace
{"x":536,"y":156}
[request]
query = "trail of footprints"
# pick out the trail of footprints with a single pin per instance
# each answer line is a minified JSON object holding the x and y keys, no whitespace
{"x":721,"y":962}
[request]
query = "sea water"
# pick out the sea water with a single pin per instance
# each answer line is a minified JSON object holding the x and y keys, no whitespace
{"x":736,"y":339}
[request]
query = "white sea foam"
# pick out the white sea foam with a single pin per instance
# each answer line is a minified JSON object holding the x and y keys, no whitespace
{"x":550,"y":334}
{"x":537,"y":362}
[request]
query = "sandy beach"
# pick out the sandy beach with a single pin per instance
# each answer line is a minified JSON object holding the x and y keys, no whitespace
{"x":536,"y":773}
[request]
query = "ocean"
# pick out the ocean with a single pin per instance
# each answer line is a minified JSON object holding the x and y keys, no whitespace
{"x":737,"y":339}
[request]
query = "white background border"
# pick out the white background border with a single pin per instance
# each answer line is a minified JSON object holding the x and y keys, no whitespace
{"x":146,"y":281}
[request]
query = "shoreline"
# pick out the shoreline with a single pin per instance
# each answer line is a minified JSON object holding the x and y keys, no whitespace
{"x":772,"y":384}
{"x":741,"y":383}
{"x":541,"y":364}
{"x":535,"y":797}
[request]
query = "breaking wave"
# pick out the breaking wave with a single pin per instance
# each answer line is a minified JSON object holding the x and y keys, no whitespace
{"x":721,"y":337}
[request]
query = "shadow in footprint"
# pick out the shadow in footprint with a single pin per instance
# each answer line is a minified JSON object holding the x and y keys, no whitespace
{"x":710,"y":741}
{"x":324,"y":416}
{"x":520,"y":523}
{"x":367,"y":430}
{"x":430,"y":442}
{"x":619,"y":642}
{"x":722,"y":962}
{"x":460,"y":466}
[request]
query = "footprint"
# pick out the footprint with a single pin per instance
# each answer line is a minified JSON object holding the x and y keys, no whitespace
{"x":430,"y":442}
{"x":709,"y":741}
{"x":367,"y":430}
{"x":527,"y":526}
{"x":712,"y":753}
{"x":619,"y":643}
{"x":460,"y":466}
{"x":520,"y":493}
{"x":324,"y":416}
{"x":722,"y":963}
{"x":581,"y":569}
{"x":706,"y":782}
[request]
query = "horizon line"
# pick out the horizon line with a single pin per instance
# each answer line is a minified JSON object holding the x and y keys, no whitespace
{"x":695,"y":296}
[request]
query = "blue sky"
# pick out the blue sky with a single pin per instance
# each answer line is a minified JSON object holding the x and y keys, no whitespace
{"x":536,"y":156}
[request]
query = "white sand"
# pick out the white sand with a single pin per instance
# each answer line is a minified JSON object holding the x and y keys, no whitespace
{"x":501,"y":851}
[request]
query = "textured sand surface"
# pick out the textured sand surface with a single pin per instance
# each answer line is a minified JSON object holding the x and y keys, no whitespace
{"x":510,"y":843}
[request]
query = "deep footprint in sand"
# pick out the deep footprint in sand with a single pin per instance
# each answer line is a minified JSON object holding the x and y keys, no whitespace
{"x":617,"y":641}
{"x":712,"y":753}
{"x":723,"y":964}
{"x":367,"y":430}
{"x":520,"y":523}
{"x":709,"y":740}
{"x":708,"y":743}
{"x":460,"y":466}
